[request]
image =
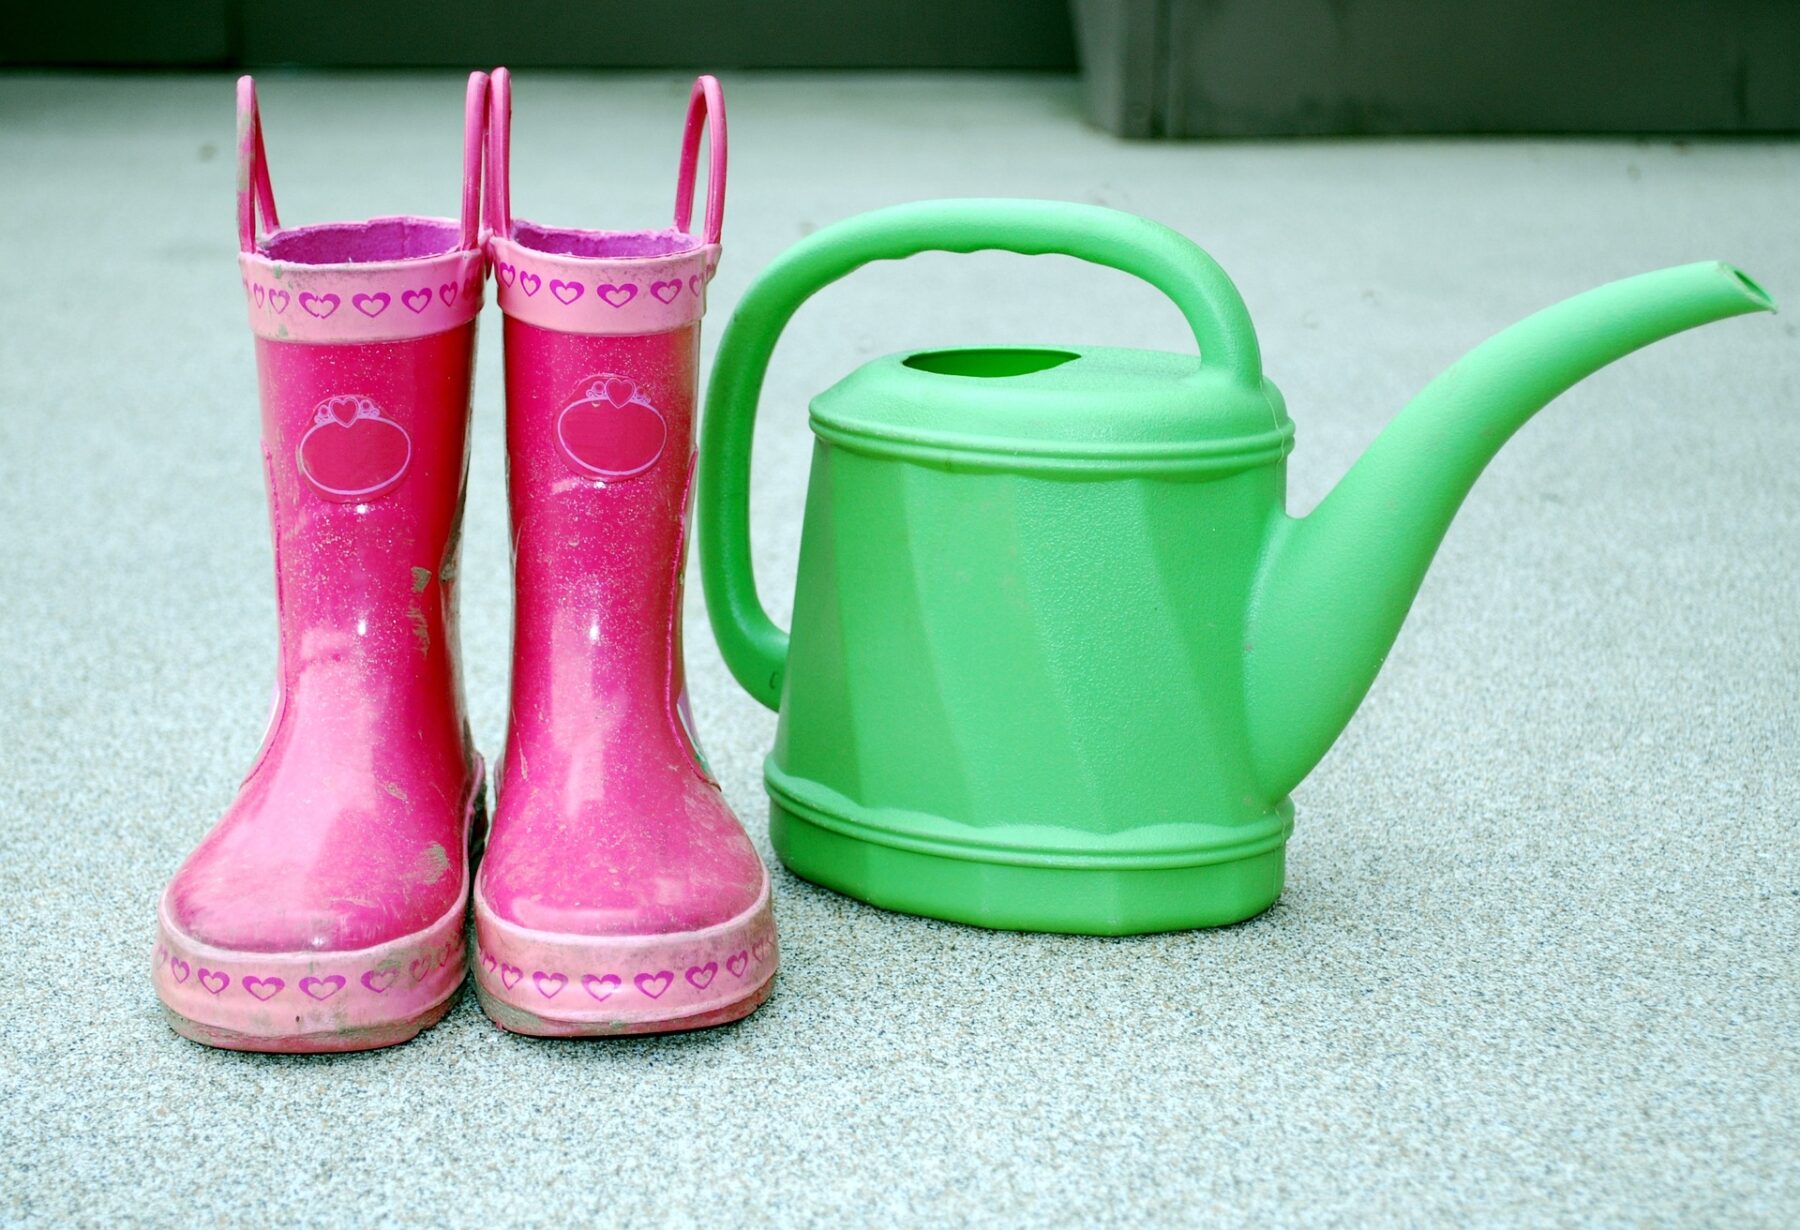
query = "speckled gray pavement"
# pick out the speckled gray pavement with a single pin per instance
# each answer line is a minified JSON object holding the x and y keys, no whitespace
{"x":1536,"y":962}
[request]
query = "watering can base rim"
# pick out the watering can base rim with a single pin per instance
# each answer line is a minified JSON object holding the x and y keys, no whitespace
{"x":1001,"y":888}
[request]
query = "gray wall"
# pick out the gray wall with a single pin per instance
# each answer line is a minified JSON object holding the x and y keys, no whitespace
{"x":1154,"y":67}
{"x":1317,"y":67}
{"x":1015,"y":34}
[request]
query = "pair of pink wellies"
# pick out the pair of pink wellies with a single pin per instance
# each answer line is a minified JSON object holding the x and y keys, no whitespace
{"x":617,"y":893}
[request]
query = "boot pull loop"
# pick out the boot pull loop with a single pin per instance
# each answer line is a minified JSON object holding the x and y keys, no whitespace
{"x":499,"y":153}
{"x":706,"y":109}
{"x":475,"y":105}
{"x":254,"y":192}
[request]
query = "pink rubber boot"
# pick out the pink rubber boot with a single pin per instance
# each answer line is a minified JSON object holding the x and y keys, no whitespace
{"x":618,"y":893}
{"x":324,"y":911}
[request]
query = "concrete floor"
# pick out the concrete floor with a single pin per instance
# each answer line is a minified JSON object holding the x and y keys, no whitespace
{"x":1536,"y":963}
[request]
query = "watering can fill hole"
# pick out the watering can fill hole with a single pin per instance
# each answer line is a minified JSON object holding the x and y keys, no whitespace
{"x":989,"y":363}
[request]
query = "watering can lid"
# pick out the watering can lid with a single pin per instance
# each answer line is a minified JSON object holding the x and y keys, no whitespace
{"x":1062,"y":408}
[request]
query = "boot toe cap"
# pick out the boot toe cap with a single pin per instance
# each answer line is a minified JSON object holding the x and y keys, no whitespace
{"x":621,"y":882}
{"x":271,"y":904}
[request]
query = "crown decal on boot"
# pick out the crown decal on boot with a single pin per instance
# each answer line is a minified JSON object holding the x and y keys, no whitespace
{"x":353,"y":452}
{"x":611,"y":431}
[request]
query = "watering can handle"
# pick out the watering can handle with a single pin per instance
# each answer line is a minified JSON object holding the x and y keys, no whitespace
{"x":753,"y":647}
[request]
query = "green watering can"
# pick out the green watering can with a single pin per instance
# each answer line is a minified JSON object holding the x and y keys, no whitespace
{"x":1059,"y":653}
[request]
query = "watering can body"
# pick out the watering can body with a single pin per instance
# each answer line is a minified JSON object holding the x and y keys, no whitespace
{"x":1058,"y":652}
{"x":1013,"y":691}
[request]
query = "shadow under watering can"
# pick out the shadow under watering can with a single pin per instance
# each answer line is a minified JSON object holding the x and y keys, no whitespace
{"x":1059,"y":653}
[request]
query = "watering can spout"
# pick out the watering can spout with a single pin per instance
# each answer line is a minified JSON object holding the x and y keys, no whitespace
{"x":1336,"y":584}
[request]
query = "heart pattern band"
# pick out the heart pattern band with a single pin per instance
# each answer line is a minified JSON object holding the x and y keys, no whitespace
{"x":322,"y":305}
{"x":738,"y":965}
{"x":615,"y":295}
{"x":601,"y":294}
{"x":318,"y":987}
{"x":379,"y":301}
{"x":391,"y":301}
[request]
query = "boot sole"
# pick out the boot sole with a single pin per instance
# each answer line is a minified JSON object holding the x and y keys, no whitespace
{"x":554,"y":985}
{"x":330,"y":1041}
{"x":536,"y":1025}
{"x":318,"y":1002}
